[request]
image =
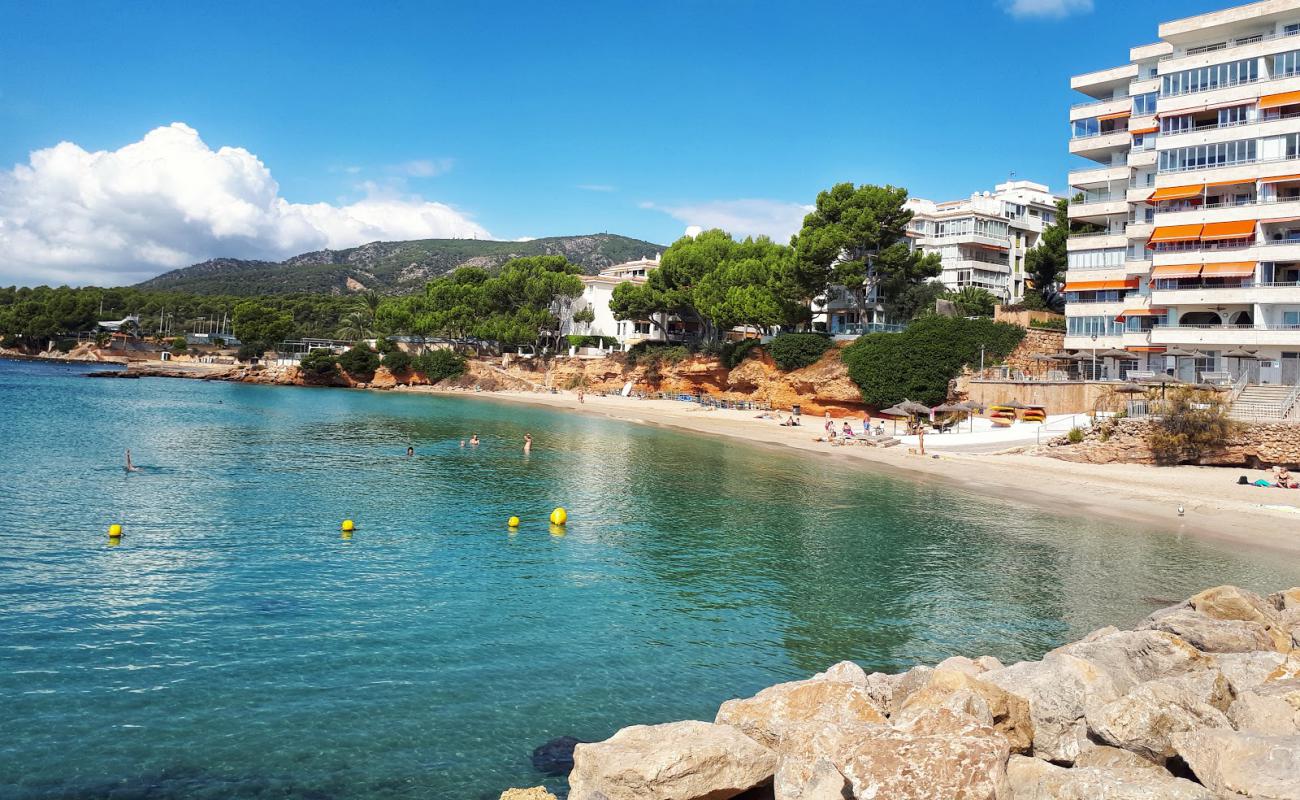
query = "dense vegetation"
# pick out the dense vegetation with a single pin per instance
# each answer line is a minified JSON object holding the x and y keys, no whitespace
{"x":793,"y":351}
{"x":918,"y":363}
{"x":1045,"y":265}
{"x":40,"y":313}
{"x":359,"y":361}
{"x":520,"y":304}
{"x":389,"y":267}
{"x":437,"y":365}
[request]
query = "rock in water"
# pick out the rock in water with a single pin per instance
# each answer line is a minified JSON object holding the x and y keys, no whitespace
{"x":535,"y":793}
{"x":901,"y":766}
{"x":1243,"y":764}
{"x":1035,"y":779}
{"x":765,"y":716}
{"x":674,"y":761}
{"x":556,"y":756}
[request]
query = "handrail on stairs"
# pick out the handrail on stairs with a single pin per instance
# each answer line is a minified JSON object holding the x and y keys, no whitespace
{"x":1238,"y":386}
{"x":1284,"y":408}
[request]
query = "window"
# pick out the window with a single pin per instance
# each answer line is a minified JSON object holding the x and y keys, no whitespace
{"x":1205,"y":78}
{"x":1286,"y":64}
{"x":1293,"y":145}
{"x":1086,"y":127}
{"x":1236,"y":115}
{"x":1292,"y":29}
{"x":1206,"y":156}
{"x":1145,"y":104}
{"x":1104,"y":325}
{"x":1096,"y":259}
{"x":1291,"y":319}
{"x":1181,"y":124}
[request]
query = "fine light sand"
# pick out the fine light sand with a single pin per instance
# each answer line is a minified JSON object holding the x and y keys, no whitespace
{"x":1214,"y":505}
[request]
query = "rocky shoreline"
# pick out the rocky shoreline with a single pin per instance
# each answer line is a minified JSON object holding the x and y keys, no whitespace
{"x":1200,"y":701}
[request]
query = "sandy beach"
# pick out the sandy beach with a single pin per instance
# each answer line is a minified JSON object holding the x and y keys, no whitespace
{"x":1215,"y":507}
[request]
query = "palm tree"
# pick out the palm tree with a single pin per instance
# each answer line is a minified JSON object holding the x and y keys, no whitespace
{"x":354,"y":326}
{"x":370,"y":302}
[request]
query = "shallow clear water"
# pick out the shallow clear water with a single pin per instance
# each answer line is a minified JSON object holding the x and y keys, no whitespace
{"x":235,"y":646}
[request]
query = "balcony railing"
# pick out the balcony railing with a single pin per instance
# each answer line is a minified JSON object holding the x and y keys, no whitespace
{"x":1087,"y":103}
{"x":1093,"y":135}
{"x":1210,"y":126}
{"x":1240,"y":163}
{"x":1259,"y":326}
{"x":1231,"y":44}
{"x":1212,"y":206}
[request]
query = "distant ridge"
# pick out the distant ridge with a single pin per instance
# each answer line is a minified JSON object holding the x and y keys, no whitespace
{"x":389,"y":267}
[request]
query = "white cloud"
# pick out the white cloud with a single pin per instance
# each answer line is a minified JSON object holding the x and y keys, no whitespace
{"x":596,"y":187}
{"x":426,"y":167}
{"x":168,"y":200}
{"x":747,"y":217}
{"x":1046,"y":9}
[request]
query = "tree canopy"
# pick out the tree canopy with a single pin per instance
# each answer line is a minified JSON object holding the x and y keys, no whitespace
{"x":856,"y":237}
{"x":719,"y":283}
{"x":517,"y":305}
{"x":1045,"y":265}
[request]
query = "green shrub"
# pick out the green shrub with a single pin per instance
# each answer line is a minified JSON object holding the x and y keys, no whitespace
{"x":397,"y":361}
{"x":1053,"y":324}
{"x":439,"y":365}
{"x":656,"y":354}
{"x":793,"y":351}
{"x":733,"y":353}
{"x":319,"y":363}
{"x":360,"y":361}
{"x":1193,"y":423}
{"x":179,"y":345}
{"x":579,"y":340}
{"x":1075,"y":435}
{"x":919,"y":362}
{"x":385,"y":346}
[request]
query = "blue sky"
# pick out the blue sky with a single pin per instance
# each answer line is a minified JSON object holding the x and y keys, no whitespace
{"x":515,"y":119}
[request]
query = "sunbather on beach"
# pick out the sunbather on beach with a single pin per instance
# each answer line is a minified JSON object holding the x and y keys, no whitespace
{"x":848,"y":431}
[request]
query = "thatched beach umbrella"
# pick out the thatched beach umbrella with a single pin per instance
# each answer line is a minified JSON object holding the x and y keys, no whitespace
{"x":895,"y":412}
{"x":1241,"y":354}
{"x":1164,"y":381}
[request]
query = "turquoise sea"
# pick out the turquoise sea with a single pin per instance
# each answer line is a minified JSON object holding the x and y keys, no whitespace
{"x":234,"y":645}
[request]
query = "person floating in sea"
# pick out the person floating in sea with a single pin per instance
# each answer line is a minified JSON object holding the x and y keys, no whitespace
{"x":528,"y":442}
{"x":474,"y":440}
{"x":130,"y":467}
{"x":410,"y":451}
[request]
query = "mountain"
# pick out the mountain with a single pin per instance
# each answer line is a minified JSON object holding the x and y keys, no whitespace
{"x":389,"y":267}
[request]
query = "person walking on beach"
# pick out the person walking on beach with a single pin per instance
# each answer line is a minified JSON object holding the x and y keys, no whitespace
{"x":130,"y":467}
{"x":528,"y":443}
{"x":581,"y":395}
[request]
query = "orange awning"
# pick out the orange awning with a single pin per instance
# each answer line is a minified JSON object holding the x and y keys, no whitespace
{"x":1280,"y":179}
{"x":1145,"y":349}
{"x":1124,"y":115}
{"x":1175,"y":193}
{"x":1241,"y":229}
{"x":1279,"y":100}
{"x":1175,"y":233}
{"x":1230,"y":183}
{"x":1145,"y":129}
{"x":1175,"y":271}
{"x":1234,"y":269}
{"x":1278,"y":220}
{"x":1144,"y":312}
{"x":1101,"y":286}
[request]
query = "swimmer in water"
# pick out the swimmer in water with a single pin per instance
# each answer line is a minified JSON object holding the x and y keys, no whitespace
{"x":462,"y":442}
{"x":528,"y":442}
{"x":130,"y":467}
{"x":473,"y":439}
{"x":410,"y":451}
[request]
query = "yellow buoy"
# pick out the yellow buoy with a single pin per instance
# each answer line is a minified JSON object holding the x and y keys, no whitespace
{"x":114,"y":531}
{"x":559,"y":516}
{"x":348,"y":526}
{"x":513,"y":522}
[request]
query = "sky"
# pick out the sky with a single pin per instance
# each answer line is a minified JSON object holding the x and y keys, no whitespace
{"x":137,"y":137}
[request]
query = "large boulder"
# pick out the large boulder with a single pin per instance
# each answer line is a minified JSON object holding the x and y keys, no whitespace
{"x":1272,"y":709}
{"x":674,"y":761}
{"x":1133,"y":657}
{"x":988,"y":703}
{"x":766,"y":715}
{"x":1144,"y":720}
{"x":1246,"y":671}
{"x":905,"y":684}
{"x":1035,"y":779}
{"x":810,"y":760}
{"x":1211,"y":635}
{"x":899,"y":765}
{"x":1106,"y":757}
{"x":535,"y":793}
{"x":1232,"y":603}
{"x":1235,"y":764}
{"x":1060,"y":690}
{"x":845,"y":672}
{"x":971,"y":666}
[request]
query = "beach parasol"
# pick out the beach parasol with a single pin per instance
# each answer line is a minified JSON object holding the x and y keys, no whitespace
{"x":1129,"y":388}
{"x":1241,"y":354}
{"x":914,"y":407}
{"x":1163,"y":380}
{"x":895,"y":412}
{"x":1013,"y":404}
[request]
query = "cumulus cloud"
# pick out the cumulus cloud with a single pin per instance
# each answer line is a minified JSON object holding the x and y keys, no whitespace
{"x":747,"y":217}
{"x":1046,"y":9}
{"x":168,"y":200}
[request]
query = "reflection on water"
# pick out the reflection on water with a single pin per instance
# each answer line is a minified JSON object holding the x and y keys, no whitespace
{"x":236,"y":644}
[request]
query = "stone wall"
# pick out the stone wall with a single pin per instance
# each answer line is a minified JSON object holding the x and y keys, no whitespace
{"x":1024,"y":317}
{"x":1256,"y":445}
{"x":1037,"y":342}
{"x":1059,"y":397}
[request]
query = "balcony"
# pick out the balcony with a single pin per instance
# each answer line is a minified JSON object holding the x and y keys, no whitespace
{"x":1103,"y":81}
{"x":1099,"y":176}
{"x":1288,"y":292}
{"x":1233,"y":50}
{"x":1096,"y":241}
{"x":1100,"y":146}
{"x":1143,"y":158}
{"x":1099,"y":208}
{"x":1226,"y":336}
{"x":1101,"y":108}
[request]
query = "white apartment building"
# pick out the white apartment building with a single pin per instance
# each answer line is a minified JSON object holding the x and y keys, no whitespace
{"x":1195,"y":188}
{"x":596,"y":293}
{"x":983,"y":238}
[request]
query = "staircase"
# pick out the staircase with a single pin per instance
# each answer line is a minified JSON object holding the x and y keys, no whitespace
{"x":1257,"y":403}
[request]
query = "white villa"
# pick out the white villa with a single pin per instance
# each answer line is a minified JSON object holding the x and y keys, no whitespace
{"x":596,"y":293}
